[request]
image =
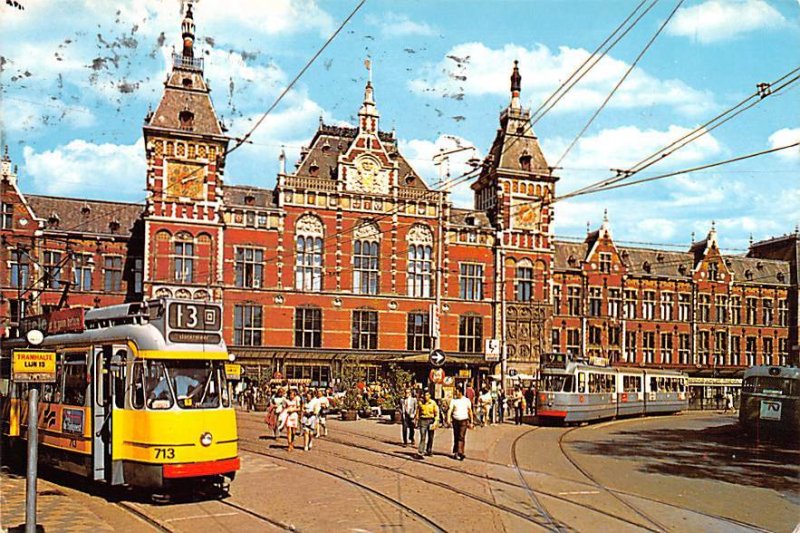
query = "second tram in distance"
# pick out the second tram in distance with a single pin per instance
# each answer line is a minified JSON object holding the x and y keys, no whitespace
{"x":577,"y":391}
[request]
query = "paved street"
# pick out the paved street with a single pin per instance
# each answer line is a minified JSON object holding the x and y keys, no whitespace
{"x":684,"y":473}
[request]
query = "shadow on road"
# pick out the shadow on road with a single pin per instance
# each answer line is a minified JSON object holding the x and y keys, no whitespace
{"x":719,"y":453}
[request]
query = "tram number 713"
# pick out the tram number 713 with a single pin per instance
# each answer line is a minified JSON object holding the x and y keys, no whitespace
{"x":770,"y":410}
{"x":165,"y":453}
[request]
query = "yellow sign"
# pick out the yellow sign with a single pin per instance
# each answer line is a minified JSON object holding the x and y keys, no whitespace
{"x":34,"y":366}
{"x":464,"y":373}
{"x":233,"y":371}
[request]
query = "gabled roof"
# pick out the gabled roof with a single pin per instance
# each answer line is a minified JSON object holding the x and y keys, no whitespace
{"x":236,"y":196}
{"x":95,"y":217}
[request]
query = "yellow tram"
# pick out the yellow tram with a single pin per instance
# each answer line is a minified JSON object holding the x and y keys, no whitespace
{"x":140,"y":396}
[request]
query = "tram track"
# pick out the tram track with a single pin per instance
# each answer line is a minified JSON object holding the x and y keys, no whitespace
{"x":134,"y":510}
{"x":406,"y":509}
{"x":551,"y":523}
{"x":530,"y":492}
{"x":592,"y":483}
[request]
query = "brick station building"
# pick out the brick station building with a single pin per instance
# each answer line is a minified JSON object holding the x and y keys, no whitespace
{"x":354,"y":257}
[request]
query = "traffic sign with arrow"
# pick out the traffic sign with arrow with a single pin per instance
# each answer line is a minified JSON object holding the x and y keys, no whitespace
{"x":437,"y":357}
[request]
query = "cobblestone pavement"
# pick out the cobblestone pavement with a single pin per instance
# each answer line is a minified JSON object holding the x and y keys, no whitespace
{"x":686,"y":473}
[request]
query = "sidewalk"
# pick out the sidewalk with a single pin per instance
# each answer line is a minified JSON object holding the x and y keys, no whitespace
{"x":58,"y":508}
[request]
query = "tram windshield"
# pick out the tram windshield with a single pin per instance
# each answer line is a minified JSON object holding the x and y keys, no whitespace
{"x":190,"y":384}
{"x":556,"y":383}
{"x":771,"y":385}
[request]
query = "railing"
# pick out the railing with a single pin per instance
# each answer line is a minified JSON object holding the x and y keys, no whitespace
{"x":191,"y":63}
{"x":320,"y":184}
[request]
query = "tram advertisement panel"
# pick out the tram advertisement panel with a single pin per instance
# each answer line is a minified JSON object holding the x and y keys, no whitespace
{"x":194,"y":322}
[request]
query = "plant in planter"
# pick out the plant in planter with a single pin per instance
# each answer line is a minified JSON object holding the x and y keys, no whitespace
{"x":397,"y":381}
{"x":353,"y":401}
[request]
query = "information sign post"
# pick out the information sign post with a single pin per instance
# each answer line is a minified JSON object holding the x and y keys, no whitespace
{"x":33,"y":367}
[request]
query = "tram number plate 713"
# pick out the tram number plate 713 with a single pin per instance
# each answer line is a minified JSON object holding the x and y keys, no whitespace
{"x":165,"y":453}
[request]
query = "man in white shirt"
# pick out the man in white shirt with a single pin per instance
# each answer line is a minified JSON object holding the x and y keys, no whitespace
{"x":408,"y":409}
{"x":460,"y":413}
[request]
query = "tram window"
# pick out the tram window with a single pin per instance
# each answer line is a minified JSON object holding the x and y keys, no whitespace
{"x":653,"y":385}
{"x":51,"y":392}
{"x":195,"y":383}
{"x":118,"y":372}
{"x":612,"y":383}
{"x":156,"y":383}
{"x":749,"y":384}
{"x":138,"y":385}
{"x":223,"y":387}
{"x":582,"y":382}
{"x":569,"y":384}
{"x":75,"y":383}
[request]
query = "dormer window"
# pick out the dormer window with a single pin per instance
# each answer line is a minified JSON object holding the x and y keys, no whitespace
{"x":571,"y":260}
{"x":659,"y":257}
{"x":86,"y":210}
{"x":409,"y":179}
{"x":713,"y":271}
{"x":646,"y":267}
{"x":250,"y":200}
{"x":313,"y":169}
{"x":326,"y":147}
{"x":625,"y":255}
{"x":525,"y":161}
{"x":748,"y":274}
{"x":187,"y":82}
{"x":53,"y":220}
{"x":469,"y":220}
{"x":682,"y":269}
{"x":781,"y":277}
{"x":760,"y":265}
{"x":113,"y":226}
{"x":186,"y":119}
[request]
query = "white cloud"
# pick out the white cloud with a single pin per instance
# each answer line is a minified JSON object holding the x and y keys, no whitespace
{"x":785,"y":137}
{"x":475,"y":69}
{"x":400,"y":25}
{"x":420,"y":153}
{"x":619,"y":148}
{"x":83,"y":168}
{"x":36,"y":117}
{"x":720,"y":20}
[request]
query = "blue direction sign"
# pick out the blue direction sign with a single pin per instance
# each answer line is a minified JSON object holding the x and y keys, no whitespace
{"x":437,"y":357}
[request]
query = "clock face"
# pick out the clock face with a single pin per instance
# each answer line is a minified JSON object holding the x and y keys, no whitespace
{"x":524,"y":213}
{"x":185,"y":180}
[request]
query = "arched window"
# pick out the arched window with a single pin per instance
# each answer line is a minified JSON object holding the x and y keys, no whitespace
{"x":523,"y":281}
{"x":366,"y":250}
{"x":308,"y":257}
{"x":184,"y":257}
{"x":420,"y":261}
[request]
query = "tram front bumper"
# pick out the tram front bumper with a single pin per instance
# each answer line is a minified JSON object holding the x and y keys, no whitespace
{"x":201,"y":469}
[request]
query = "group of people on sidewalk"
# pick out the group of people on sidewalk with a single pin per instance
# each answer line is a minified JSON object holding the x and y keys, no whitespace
{"x":299,"y":412}
{"x":424,"y":414}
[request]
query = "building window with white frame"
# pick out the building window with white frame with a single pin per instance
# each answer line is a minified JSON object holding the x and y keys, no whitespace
{"x":420,"y":261}
{"x":750,"y":351}
{"x":751,"y":307}
{"x":112,"y":273}
{"x":6,"y":216}
{"x":630,"y":304}
{"x":649,"y":346}
{"x":365,"y":267}
{"x":703,"y":347}
{"x":783,"y":351}
{"x":308,"y":327}
{"x":736,"y":350}
{"x":556,"y":299}
{"x":684,"y":307}
{"x":614,"y":302}
{"x":595,"y":301}
{"x":666,"y":349}
{"x":184,"y":258}
{"x":20,"y":269}
{"x":523,"y":283}
{"x":684,"y":348}
{"x":574,"y":301}
{"x":766,"y":306}
{"x":736,"y":310}
{"x":704,"y":308}
{"x":766,"y":355}
{"x":52,"y":269}
{"x":247,"y":325}
{"x":630,"y":347}
{"x":249,"y":267}
{"x":82,"y":266}
{"x":783,"y":312}
{"x":649,"y":305}
{"x":573,"y":342}
{"x":667,"y":305}
{"x":721,"y":308}
{"x":470,"y":279}
{"x":418,"y":336}
{"x":470,"y":334}
{"x":605,"y":262}
{"x":365,"y":330}
{"x":720,"y":347}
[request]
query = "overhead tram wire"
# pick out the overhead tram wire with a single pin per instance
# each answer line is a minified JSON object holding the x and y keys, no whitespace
{"x":679,"y":172}
{"x":619,"y":83}
{"x":246,"y":137}
{"x":546,"y":106}
{"x":698,"y":132}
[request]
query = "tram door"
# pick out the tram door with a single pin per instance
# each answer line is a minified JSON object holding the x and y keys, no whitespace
{"x":108,"y":362}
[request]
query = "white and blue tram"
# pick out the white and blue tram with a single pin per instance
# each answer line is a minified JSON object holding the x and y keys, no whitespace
{"x":579,"y":391}
{"x":770,"y":401}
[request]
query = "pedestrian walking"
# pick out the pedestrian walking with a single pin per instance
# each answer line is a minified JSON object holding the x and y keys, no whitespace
{"x":501,"y":405}
{"x":729,"y":402}
{"x":484,"y":407}
{"x":529,"y":396}
{"x":309,"y":420}
{"x":292,"y":422}
{"x":408,"y":412}
{"x":460,"y":414}
{"x":323,"y":405}
{"x":426,"y":420}
{"x":519,"y":405}
{"x":276,"y":418}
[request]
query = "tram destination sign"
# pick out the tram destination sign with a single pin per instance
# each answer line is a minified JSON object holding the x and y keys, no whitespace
{"x":33,"y":366}
{"x":197,"y":323}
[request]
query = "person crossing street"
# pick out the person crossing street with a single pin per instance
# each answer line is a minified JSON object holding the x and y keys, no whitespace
{"x":408,"y":411}
{"x":460,"y":413}
{"x":427,"y":416}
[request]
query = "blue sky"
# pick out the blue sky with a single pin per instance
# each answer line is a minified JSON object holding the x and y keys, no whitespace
{"x":78,"y":77}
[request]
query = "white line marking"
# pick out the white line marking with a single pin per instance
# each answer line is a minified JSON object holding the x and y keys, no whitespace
{"x":578,"y":492}
{"x":213,"y":515}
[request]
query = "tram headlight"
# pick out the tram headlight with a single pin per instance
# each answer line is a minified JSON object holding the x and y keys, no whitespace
{"x":205,"y":439}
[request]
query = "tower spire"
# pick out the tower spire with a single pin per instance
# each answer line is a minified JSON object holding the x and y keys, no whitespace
{"x":187,"y":30}
{"x":516,"y":86}
{"x":368,"y":114}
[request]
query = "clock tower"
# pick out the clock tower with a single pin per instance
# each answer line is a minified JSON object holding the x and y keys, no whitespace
{"x":185,"y":146}
{"x":516,"y":189}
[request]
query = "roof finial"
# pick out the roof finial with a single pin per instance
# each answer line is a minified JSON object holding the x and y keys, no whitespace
{"x":516,"y":85}
{"x":5,"y":154}
{"x":588,"y":226}
{"x":713,"y":225}
{"x":282,"y":160}
{"x":187,"y":30}
{"x":751,"y":240}
{"x":605,"y":215}
{"x":368,"y":114}
{"x":692,"y":237}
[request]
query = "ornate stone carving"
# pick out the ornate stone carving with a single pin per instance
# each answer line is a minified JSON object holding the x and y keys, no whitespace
{"x":367,"y":231}
{"x":420,"y":234}
{"x":309,"y":225}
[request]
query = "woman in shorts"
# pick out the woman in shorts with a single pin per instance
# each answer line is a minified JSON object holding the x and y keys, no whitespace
{"x":309,"y":421}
